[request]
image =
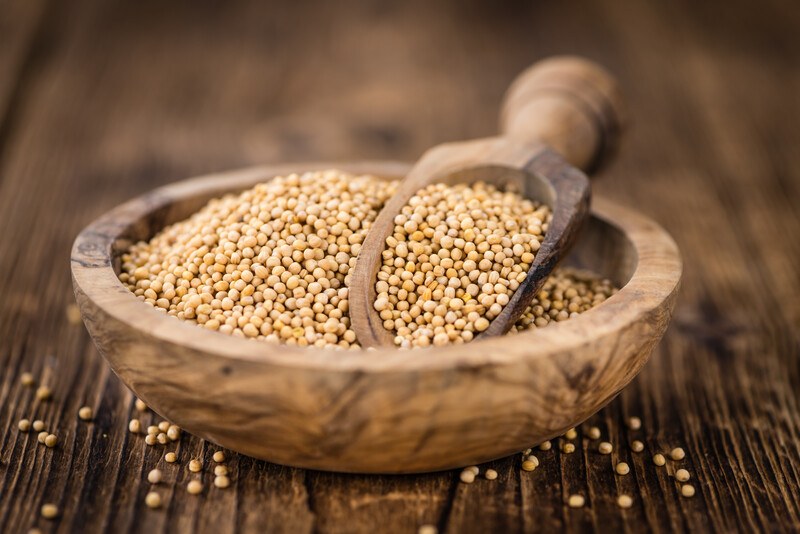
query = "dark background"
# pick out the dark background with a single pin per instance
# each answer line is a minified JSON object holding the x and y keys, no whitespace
{"x":104,"y":100}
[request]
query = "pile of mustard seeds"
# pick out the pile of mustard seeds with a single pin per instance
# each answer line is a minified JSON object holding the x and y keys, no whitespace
{"x":272,"y":263}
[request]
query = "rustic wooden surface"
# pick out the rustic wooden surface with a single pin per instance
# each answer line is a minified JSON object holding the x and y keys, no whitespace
{"x":100,"y":101}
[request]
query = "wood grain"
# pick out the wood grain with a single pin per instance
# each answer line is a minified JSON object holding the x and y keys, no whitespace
{"x":121,"y":104}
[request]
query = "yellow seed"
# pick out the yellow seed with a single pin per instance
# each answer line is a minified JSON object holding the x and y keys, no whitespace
{"x":38,"y":425}
{"x":682,"y":475}
{"x":195,"y":466}
{"x":49,"y":511}
{"x":474,"y":468}
{"x":86,"y":413}
{"x":152,"y":430}
{"x":150,"y":439}
{"x":194,"y":487}
{"x":568,"y":448}
{"x":637,"y":446}
{"x":533,"y":459}
{"x":571,"y":434}
{"x":622,"y":468}
{"x":687,"y":490}
{"x":576,"y":501}
{"x":593,"y":433}
{"x":220,"y":470}
{"x":659,"y":459}
{"x":42,"y":436}
{"x":51,"y":440}
{"x":162,"y":438}
{"x":153,"y":500}
{"x":605,"y":447}
{"x":163,"y":426}
{"x":24,"y":425}
{"x":545,"y":446}
{"x":624,"y":501}
{"x":222,"y":481}
{"x":154,"y":476}
{"x":135,"y":426}
{"x":170,"y":458}
{"x":174,"y":433}
{"x":427,"y":529}
{"x":140,"y":405}
{"x":43,"y":393}
{"x":528,"y":465}
{"x":467,"y":476}
{"x":677,"y":454}
{"x":634,"y":423}
{"x":26,"y":379}
{"x":490,"y":474}
{"x":219,"y":457}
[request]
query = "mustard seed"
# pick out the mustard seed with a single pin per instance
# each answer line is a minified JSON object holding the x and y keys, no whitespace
{"x":528,"y":465}
{"x":534,"y":459}
{"x":51,"y":440}
{"x":174,"y":433}
{"x":135,"y":426}
{"x":140,"y":405}
{"x":86,"y":413}
{"x":170,"y":458}
{"x":24,"y":425}
{"x":219,"y":457}
{"x":222,"y":481}
{"x":152,"y":430}
{"x":194,"y":487}
{"x":49,"y":511}
{"x":687,"y":490}
{"x":220,"y":470}
{"x":659,"y":459}
{"x":474,"y":468}
{"x":677,"y":454}
{"x":150,"y":439}
{"x":624,"y":501}
{"x":490,"y":474}
{"x":27,"y":380}
{"x":42,"y":436}
{"x":38,"y":425}
{"x":153,"y":500}
{"x":162,"y":438}
{"x":634,"y":423}
{"x":43,"y":393}
{"x":571,"y":434}
{"x":195,"y":466}
{"x":568,"y":448}
{"x":467,"y":476}
{"x":593,"y":433}
{"x":605,"y":447}
{"x":427,"y":529}
{"x":545,"y":446}
{"x":576,"y":501}
{"x":622,"y":468}
{"x":637,"y":446}
{"x":682,"y":475}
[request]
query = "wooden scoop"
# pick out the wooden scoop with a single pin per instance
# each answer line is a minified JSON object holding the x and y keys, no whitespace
{"x":561,"y":115}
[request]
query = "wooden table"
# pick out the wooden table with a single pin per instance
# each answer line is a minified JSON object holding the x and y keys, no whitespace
{"x":100,"y":101}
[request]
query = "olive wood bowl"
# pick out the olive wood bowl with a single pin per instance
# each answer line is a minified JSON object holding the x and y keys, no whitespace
{"x":382,"y":410}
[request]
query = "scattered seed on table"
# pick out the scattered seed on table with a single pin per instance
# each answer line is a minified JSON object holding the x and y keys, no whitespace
{"x":152,"y":429}
{"x":170,"y":458}
{"x":140,"y":405}
{"x":162,"y":438}
{"x":624,"y":501}
{"x":571,"y":434}
{"x":634,"y":423}
{"x":49,"y":511}
{"x":568,"y":448}
{"x":528,"y":465}
{"x":622,"y":468}
{"x":576,"y":501}
{"x":637,"y":446}
{"x":222,"y":481}
{"x":135,"y":426}
{"x":163,"y":426}
{"x":605,"y":447}
{"x":154,"y":476}
{"x":659,"y":459}
{"x":24,"y":425}
{"x":38,"y":425}
{"x":153,"y":500}
{"x":174,"y":432}
{"x":42,"y":436}
{"x":51,"y":440}
{"x":427,"y":529}
{"x":533,"y":459}
{"x":474,"y":468}
{"x":467,"y":476}
{"x":150,"y":439}
{"x":545,"y":446}
{"x":687,"y":490}
{"x":86,"y":413}
{"x":43,"y":393}
{"x":593,"y":433}
{"x":526,"y":452}
{"x":677,"y":454}
{"x":220,"y":470}
{"x":194,"y":487}
{"x":26,"y":379}
{"x":195,"y":466}
{"x":490,"y":474}
{"x":682,"y":475}
{"x":219,"y":457}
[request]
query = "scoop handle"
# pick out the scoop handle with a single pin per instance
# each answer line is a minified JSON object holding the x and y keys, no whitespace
{"x":568,"y":103}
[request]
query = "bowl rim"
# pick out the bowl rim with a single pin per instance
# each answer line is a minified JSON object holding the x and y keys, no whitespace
{"x":655,"y":279}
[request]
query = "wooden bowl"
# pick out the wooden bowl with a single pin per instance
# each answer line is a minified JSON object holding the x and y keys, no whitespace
{"x":385,"y":410}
